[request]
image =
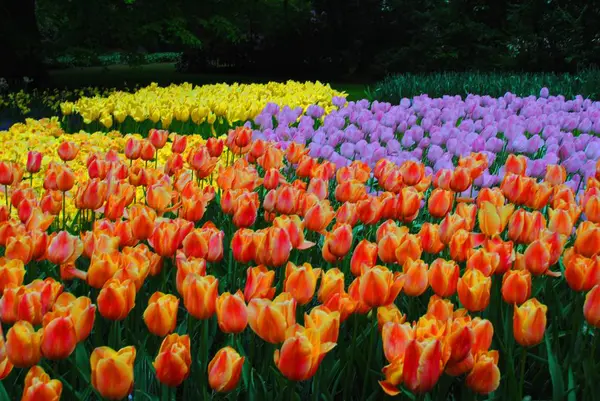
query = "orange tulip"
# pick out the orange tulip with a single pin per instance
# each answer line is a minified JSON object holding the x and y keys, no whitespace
{"x":474,"y":290}
{"x":449,"y":225}
{"x":537,"y":257}
{"x":161,"y":314}
{"x":294,"y":227}
{"x":346,"y":214}
{"x":9,"y":303}
{"x":440,"y":202}
{"x":484,"y":378}
{"x":174,"y":360}
{"x":561,"y":221}
{"x":378,"y":286}
{"x":116,"y":299}
{"x":591,"y":307}
{"x":200,"y":295}
{"x":389,"y":313}
{"x":337,"y":243}
{"x":225,"y":369}
{"x":270,"y":319}
{"x":245,"y":209}
{"x":396,"y":336}
{"x":242,"y":245}
{"x":341,"y":302}
{"x":112,"y":371}
{"x":165,"y":239}
{"x":581,"y":273}
{"x":441,"y":309}
{"x":591,"y":207}
{"x":91,"y":195}
{"x":461,"y":179}
{"x":325,"y":321}
{"x":98,"y":242}
{"x":65,"y":179}
{"x":332,"y":282}
{"x":387,"y":246}
{"x":102,"y":267}
{"x":493,"y":219}
{"x":430,"y":238}
{"x":12,"y":273}
{"x":67,"y":151}
{"x":412,"y":172}
{"x":504,"y":250}
{"x":81,"y":310}
{"x":259,"y":283}
{"x":529,"y":323}
{"x":59,"y":338}
{"x":23,"y":344}
{"x":587,"y":239}
{"x":484,"y":261}
{"x":409,"y":248}
{"x":318,"y":217}
{"x":419,"y":370}
{"x":64,"y":248}
{"x":232,"y":313}
{"x":492,"y":195}
{"x":272,"y":246}
{"x":516,"y":164}
{"x":369,"y":210}
{"x":142,"y":221}
{"x":555,"y":174}
{"x":215,"y":146}
{"x":133,"y":148}
{"x":525,"y":227}
{"x":462,"y":243}
{"x":516,"y":286}
{"x":301,"y":281}
{"x":443,"y":277}
{"x":39,"y":386}
{"x":204,"y":243}
{"x":365,"y":253}
{"x":416,"y":277}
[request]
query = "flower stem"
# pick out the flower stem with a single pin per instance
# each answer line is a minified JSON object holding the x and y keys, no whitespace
{"x":370,"y":351}
{"x":64,"y":207}
{"x":522,"y":381}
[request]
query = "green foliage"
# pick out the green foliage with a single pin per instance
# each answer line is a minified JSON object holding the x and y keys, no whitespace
{"x":394,"y":88}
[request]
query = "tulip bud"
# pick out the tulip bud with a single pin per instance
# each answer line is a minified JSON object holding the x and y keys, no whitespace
{"x":112,"y":371}
{"x":34,"y":162}
{"x":474,"y":290}
{"x":116,"y":299}
{"x":200,"y":295}
{"x":225,"y":369}
{"x":174,"y":359}
{"x":529,"y":323}
{"x":443,"y":277}
{"x":232,"y":313}
{"x":161,"y":314}
{"x":39,"y":386}
{"x":516,"y":286}
{"x":59,"y":338}
{"x":23,"y":345}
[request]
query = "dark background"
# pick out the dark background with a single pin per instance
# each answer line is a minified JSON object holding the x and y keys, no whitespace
{"x":354,"y":40}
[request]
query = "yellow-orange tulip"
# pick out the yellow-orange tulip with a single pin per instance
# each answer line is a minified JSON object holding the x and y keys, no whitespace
{"x":232,"y":313}
{"x":225,"y":369}
{"x":112,"y":371}
{"x":469,"y":213}
{"x":587,"y":239}
{"x":492,"y":195}
{"x":484,"y":378}
{"x":102,"y":267}
{"x":301,"y":354}
{"x":493,"y":219}
{"x":332,"y":282}
{"x":441,"y":309}
{"x":365,"y":253}
{"x":529,"y":323}
{"x":449,"y":225}
{"x":23,"y":345}
{"x":318,"y":217}
{"x":389,"y":313}
{"x":64,"y":248}
{"x":463,"y":242}
{"x":116,"y":299}
{"x":516,"y":286}
{"x":200,"y":295}
{"x":379,"y":286}
{"x":59,"y":338}
{"x":259,"y":283}
{"x":81,"y":310}
{"x":484,"y":261}
{"x":165,"y":239}
{"x":161,"y":314}
{"x":581,"y":273}
{"x":416,"y":277}
{"x":443,"y":277}
{"x":591,"y":307}
{"x":525,"y":227}
{"x":325,"y":321}
{"x":474,"y":290}
{"x":12,"y":273}
{"x":555,"y":174}
{"x":337,"y":243}
{"x":430,"y":238}
{"x":39,"y":387}
{"x":174,"y":359}
{"x":440,"y":202}
{"x":270,"y":319}
{"x":301,"y":281}
{"x":396,"y":336}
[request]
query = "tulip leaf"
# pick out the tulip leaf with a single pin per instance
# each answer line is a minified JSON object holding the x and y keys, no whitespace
{"x":571,"y":393}
{"x":3,"y":393}
{"x":558,"y":386}
{"x":82,"y":361}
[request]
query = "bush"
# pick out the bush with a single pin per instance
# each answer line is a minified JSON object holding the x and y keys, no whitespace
{"x":395,"y":87}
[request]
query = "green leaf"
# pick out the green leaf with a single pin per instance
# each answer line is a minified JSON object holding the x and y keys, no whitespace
{"x":571,"y":393}
{"x":558,"y":386}
{"x":82,"y":360}
{"x":3,"y":393}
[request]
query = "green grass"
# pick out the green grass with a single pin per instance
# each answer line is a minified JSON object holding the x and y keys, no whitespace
{"x":164,"y":74}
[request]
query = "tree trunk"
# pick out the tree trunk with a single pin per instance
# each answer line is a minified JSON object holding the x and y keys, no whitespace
{"x":20,"y":41}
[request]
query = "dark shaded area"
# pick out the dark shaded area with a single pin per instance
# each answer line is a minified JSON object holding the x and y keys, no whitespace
{"x":308,"y":39}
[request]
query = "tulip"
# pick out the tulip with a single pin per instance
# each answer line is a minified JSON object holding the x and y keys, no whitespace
{"x":492,"y":195}
{"x":389,"y":313}
{"x":440,"y":202}
{"x":443,"y":277}
{"x":332,"y":282}
{"x":587,"y":239}
{"x":493,"y":219}
{"x":232,"y":313}
{"x":591,"y":307}
{"x":346,"y":214}
{"x":529,"y":323}
{"x":409,"y":248}
{"x":133,"y":148}
{"x":343,"y":303}
{"x":555,"y":174}
{"x":272,"y":246}
{"x":561,"y":221}
{"x":396,"y":336}
{"x":116,"y":299}
{"x":369,"y":210}
{"x":441,"y":309}
{"x":337,"y":243}
{"x":174,"y":360}
{"x":301,"y":281}
{"x":525,"y":227}
{"x":225,"y":369}
{"x":484,"y":378}
{"x":581,"y":273}
{"x":165,"y":239}
{"x":214,"y":146}
{"x":80,"y":310}
{"x":365,"y":253}
{"x":537,"y":257}
{"x":39,"y":386}
{"x":318,"y":217}
{"x":259,"y":283}
{"x":301,"y":354}
{"x":59,"y":338}
{"x":350,"y":191}
{"x":23,"y":345}
{"x":461,"y":179}
{"x":416,"y":277}
{"x":200,"y":295}
{"x":325,"y":321}
{"x":99,"y":242}
{"x":64,"y":248}
{"x":516,"y":286}
{"x":449,"y":225}
{"x":112,"y":371}
{"x":474,"y":290}
{"x":12,"y":273}
{"x":430,"y":238}
{"x":34,"y":162}
{"x":484,"y":261}
{"x":462,"y":243}
{"x":161,"y":314}
{"x":270,"y":319}
{"x":516,"y":164}
{"x":102,"y":267}
{"x":419,"y":371}
{"x":378,"y":286}
{"x":67,"y":151}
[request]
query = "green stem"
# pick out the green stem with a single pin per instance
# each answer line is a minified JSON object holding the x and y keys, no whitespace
{"x":522,"y":381}
{"x":353,"y":351}
{"x":317,"y":385}
{"x":205,"y":353}
{"x":64,"y":207}
{"x":370,"y":351}
{"x":291,"y":390}
{"x":165,"y":393}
